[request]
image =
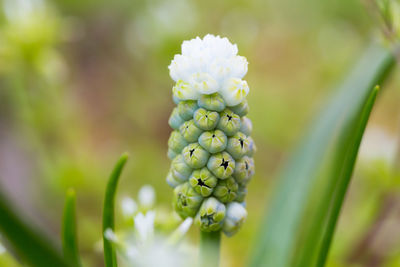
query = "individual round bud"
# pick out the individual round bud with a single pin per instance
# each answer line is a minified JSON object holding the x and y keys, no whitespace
{"x":187,"y":108}
{"x":195,"y":156}
{"x":211,"y":215}
{"x":246,"y":126}
{"x":171,"y":181}
{"x":190,"y":131}
{"x":238,"y":145}
{"x":205,"y":120}
{"x":242,"y":109}
{"x":252,"y":147}
{"x":213,"y":102}
{"x":226,"y":190}
{"x":180,"y":170}
{"x":175,"y":121}
{"x":183,"y":91}
{"x":236,"y":215}
{"x":171,"y":154}
{"x":214,"y":141}
{"x":234,"y":91}
{"x":241,"y":193}
{"x":186,"y":200}
{"x":244,"y":170}
{"x":221,"y":165}
{"x":229,"y":122}
{"x":176,"y":142}
{"x":203,"y":181}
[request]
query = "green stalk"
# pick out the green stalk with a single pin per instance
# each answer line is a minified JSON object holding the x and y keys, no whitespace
{"x":69,"y":231}
{"x":110,"y":256}
{"x":210,"y":244}
{"x":27,"y":242}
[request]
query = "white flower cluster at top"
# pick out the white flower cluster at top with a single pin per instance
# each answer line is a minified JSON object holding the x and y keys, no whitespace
{"x":207,"y":66}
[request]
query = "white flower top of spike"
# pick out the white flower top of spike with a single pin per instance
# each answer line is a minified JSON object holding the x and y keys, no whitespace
{"x":207,"y":66}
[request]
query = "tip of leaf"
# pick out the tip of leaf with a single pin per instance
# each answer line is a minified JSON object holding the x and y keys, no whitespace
{"x":124,"y":156}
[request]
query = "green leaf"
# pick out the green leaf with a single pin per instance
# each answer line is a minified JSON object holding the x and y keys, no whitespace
{"x":27,"y":242}
{"x":110,"y":257}
{"x":69,"y":231}
{"x":298,"y":227}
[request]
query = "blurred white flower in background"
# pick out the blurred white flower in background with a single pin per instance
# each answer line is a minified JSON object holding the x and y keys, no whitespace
{"x":143,"y":245}
{"x":378,"y":144}
{"x":22,"y":10}
{"x":147,"y":196}
{"x":129,"y":207}
{"x":2,"y":249}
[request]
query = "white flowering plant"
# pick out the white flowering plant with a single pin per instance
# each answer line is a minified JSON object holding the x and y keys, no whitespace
{"x":211,"y":151}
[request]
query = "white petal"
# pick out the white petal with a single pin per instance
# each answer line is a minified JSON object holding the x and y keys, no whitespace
{"x":144,"y":225}
{"x":147,"y":196}
{"x":204,"y":83}
{"x":234,"y":91}
{"x":129,"y":206}
{"x":110,"y":235}
{"x":183,"y":91}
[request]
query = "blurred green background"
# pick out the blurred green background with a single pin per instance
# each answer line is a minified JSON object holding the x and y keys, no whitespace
{"x":83,"y":81}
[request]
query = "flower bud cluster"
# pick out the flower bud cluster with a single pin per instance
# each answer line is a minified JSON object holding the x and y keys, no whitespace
{"x":210,"y":146}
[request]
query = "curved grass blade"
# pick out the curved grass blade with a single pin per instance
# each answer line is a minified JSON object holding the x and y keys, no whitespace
{"x":69,"y":231}
{"x":300,"y":210}
{"x":343,"y":183}
{"x":27,"y":243}
{"x":110,"y":257}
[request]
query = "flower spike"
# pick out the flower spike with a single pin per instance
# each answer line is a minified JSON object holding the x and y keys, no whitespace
{"x":211,"y":147}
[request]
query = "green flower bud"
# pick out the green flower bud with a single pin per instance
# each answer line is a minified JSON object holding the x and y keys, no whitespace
{"x":252,"y":147}
{"x":203,"y":181}
{"x":186,"y":200}
{"x":229,"y":122}
{"x":176,"y":142}
{"x":246,"y":126}
{"x":171,"y":154}
{"x":221,"y":165}
{"x":180,"y":170}
{"x":236,"y":215}
{"x":244,"y":170}
{"x":238,"y":145}
{"x":175,"y":121}
{"x":206,"y":120}
{"x":213,"y":102}
{"x":190,"y":131}
{"x":187,"y":108}
{"x":226,"y":190}
{"x":242,"y":109}
{"x":214,"y":141}
{"x":241,"y":193}
{"x":211,"y":215}
{"x":171,"y":181}
{"x":195,"y":156}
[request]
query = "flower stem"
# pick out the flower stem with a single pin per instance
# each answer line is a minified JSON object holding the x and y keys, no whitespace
{"x":209,"y":249}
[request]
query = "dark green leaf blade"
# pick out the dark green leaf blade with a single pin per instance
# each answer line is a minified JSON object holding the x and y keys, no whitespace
{"x":27,"y":242}
{"x":343,"y":182}
{"x":110,"y":257}
{"x":298,"y":212}
{"x":69,"y":231}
